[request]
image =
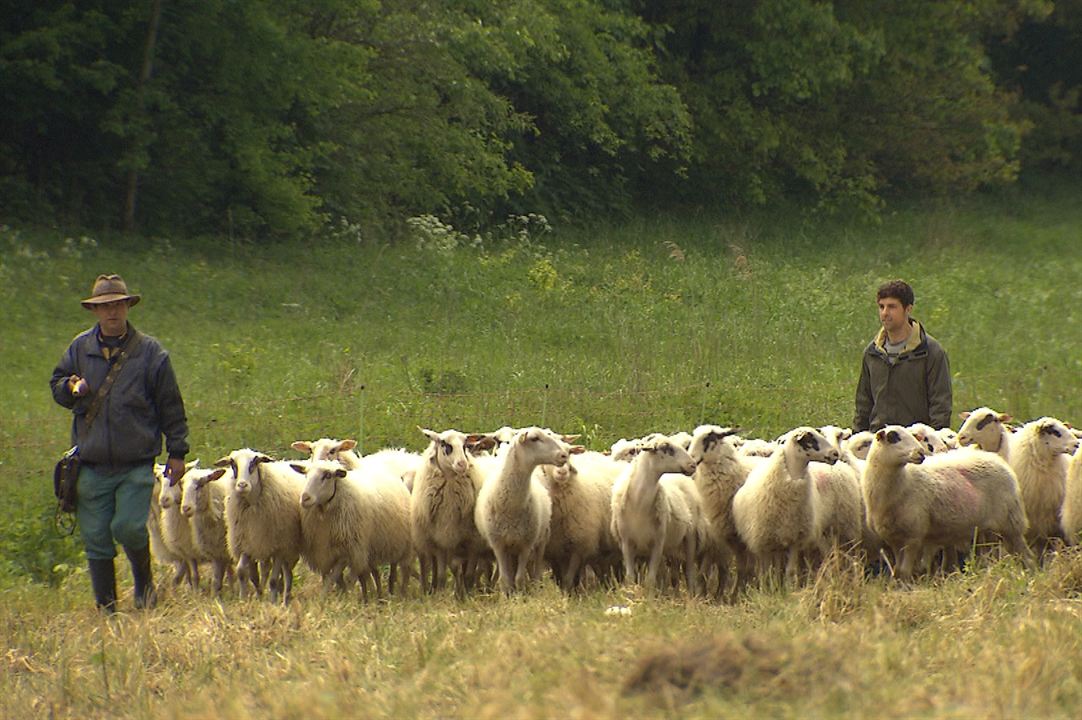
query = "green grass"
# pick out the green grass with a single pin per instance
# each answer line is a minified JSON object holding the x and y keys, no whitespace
{"x":659,"y":324}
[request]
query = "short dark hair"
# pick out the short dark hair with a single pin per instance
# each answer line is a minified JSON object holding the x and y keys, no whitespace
{"x":898,"y":289}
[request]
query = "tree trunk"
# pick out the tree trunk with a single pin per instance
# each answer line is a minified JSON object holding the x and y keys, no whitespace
{"x":144,"y":76}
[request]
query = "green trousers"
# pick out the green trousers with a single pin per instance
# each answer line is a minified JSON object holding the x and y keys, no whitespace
{"x":113,"y":509}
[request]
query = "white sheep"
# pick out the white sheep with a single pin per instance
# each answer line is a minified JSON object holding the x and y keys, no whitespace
{"x":580,"y":529}
{"x":860,"y":443}
{"x":775,"y":509}
{"x":203,"y":504}
{"x":263,"y":521}
{"x":719,"y":472}
{"x":400,"y":462}
{"x":929,"y":437}
{"x":1071,"y":517}
{"x":158,"y":549}
{"x":987,"y":429}
{"x":176,"y":529}
{"x":651,"y":515}
{"x":624,"y":449}
{"x":358,"y":519}
{"x":1038,"y":456}
{"x":514,"y":510}
{"x":945,"y":501}
{"x":756,"y":447}
{"x":442,"y":527}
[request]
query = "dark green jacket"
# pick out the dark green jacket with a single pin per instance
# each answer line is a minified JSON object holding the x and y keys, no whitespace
{"x":917,"y":388}
{"x":143,"y":405}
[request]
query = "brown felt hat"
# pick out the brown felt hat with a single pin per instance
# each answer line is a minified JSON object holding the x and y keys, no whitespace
{"x":107,"y":289}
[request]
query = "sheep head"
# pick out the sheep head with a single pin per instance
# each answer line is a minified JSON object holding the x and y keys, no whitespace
{"x":898,"y":445}
{"x":322,"y":477}
{"x":982,"y":427}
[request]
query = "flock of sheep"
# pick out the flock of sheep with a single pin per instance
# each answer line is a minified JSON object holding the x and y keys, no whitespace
{"x":709,"y":509}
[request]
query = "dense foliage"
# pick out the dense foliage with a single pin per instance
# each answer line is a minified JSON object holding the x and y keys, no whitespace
{"x":262,"y":119}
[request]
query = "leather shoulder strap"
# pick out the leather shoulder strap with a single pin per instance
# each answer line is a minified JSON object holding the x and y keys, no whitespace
{"x":114,"y":371}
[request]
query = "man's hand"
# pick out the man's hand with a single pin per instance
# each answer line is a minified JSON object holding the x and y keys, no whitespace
{"x":77,"y":386}
{"x":174,"y":469}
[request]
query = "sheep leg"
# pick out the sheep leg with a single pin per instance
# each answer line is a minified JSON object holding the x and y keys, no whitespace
{"x":691,"y":570}
{"x":193,"y":575}
{"x":276,"y":579}
{"x":426,"y":569}
{"x":287,"y":583}
{"x":334,"y":575}
{"x":1017,"y":545}
{"x":654,"y":563}
{"x":377,"y":580}
{"x":571,"y":572}
{"x":629,"y":562}
{"x":910,"y":553}
{"x":243,"y":575}
{"x":792,"y":567}
{"x":440,"y":578}
{"x":503,"y":566}
{"x":180,"y":572}
{"x":216,"y":581}
{"x":523,"y":570}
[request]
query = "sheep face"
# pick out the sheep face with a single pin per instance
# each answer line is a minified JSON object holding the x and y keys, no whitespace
{"x":860,"y":443}
{"x":1056,"y":437}
{"x":836,"y":435}
{"x":244,"y":465}
{"x":541,"y":447}
{"x":810,"y":444}
{"x":928,"y":437}
{"x":982,"y":427}
{"x":447,"y":451}
{"x":170,"y":493}
{"x":713,"y":443}
{"x":667,"y":456}
{"x":195,"y":493}
{"x":898,"y":445}
{"x":325,"y":448}
{"x":322,"y":478}
{"x":625,"y":450}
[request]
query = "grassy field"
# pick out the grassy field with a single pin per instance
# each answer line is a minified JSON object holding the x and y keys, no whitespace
{"x":658,"y":324}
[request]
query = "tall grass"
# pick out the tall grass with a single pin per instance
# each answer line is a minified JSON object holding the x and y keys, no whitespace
{"x":659,"y":324}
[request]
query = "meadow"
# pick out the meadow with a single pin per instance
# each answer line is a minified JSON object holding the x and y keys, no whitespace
{"x":658,"y":323}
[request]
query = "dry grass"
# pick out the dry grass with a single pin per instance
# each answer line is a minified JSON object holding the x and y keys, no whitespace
{"x":992,"y":642}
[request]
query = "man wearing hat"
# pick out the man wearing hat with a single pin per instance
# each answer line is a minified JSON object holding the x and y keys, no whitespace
{"x":123,"y":437}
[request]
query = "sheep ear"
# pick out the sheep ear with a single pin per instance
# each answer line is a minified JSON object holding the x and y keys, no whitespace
{"x":576,"y":449}
{"x":347,"y":444}
{"x":1004,"y":418}
{"x":880,"y":435}
{"x":964,"y":414}
{"x":223,"y":462}
{"x":302,"y":446}
{"x":298,"y":468}
{"x":216,"y":474}
{"x":433,"y":436}
{"x":571,"y":438}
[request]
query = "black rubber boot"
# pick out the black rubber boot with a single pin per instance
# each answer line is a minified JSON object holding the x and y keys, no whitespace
{"x":103,"y":581}
{"x":145,"y":596}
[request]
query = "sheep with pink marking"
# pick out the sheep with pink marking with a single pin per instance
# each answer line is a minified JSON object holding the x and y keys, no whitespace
{"x":944,"y":501}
